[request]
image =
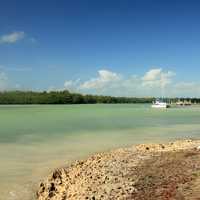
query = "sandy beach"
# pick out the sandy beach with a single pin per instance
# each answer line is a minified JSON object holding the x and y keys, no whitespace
{"x":146,"y":171}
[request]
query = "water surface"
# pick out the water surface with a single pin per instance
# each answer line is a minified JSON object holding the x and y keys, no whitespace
{"x":36,"y":139}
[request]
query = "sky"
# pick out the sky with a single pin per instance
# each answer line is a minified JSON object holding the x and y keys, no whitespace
{"x":108,"y":47}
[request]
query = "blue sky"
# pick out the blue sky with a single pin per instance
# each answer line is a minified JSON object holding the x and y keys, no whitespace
{"x":112,"y":47}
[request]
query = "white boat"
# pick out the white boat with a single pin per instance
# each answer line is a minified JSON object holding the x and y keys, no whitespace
{"x":159,"y":104}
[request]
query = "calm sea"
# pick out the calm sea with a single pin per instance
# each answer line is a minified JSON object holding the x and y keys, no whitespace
{"x":36,"y":139}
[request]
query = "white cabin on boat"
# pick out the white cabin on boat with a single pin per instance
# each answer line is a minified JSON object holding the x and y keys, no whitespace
{"x":160,"y":104}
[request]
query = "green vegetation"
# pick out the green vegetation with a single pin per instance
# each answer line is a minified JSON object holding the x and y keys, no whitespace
{"x":63,"y":97}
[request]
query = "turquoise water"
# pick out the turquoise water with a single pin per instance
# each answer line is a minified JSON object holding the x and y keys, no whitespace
{"x":36,"y":139}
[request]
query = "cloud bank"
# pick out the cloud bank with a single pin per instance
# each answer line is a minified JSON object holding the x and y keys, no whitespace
{"x":157,"y":78}
{"x":155,"y":82}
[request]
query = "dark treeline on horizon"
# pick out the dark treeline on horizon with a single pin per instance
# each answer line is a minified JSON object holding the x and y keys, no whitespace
{"x":63,"y":97}
{"x":66,"y":97}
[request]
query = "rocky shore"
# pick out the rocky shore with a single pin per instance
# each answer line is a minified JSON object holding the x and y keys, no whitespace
{"x":147,"y":171}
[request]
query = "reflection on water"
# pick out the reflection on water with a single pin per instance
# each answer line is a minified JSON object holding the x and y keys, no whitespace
{"x":36,"y":139}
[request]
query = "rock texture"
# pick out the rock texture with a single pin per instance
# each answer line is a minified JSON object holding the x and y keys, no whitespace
{"x":153,"y":171}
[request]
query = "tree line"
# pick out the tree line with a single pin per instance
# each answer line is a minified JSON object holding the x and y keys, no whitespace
{"x":63,"y":97}
{"x":66,"y":97}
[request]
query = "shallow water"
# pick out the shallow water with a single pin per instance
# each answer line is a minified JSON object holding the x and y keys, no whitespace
{"x":36,"y":139}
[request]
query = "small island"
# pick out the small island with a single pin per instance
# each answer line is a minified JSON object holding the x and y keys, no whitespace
{"x":146,"y":171}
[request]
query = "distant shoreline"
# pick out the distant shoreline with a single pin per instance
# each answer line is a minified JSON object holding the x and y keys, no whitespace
{"x":146,"y":171}
{"x":65,"y":97}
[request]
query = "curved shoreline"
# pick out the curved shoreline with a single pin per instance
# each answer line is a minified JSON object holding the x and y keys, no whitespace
{"x":146,"y":171}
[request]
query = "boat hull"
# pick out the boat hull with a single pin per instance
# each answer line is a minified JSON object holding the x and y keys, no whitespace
{"x":160,"y":106}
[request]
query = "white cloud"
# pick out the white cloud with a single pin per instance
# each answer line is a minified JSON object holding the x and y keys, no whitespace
{"x":105,"y":79}
{"x":72,"y":85}
{"x":157,"y":78}
{"x":68,"y":84}
{"x":12,"y":37}
{"x":152,"y":75}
